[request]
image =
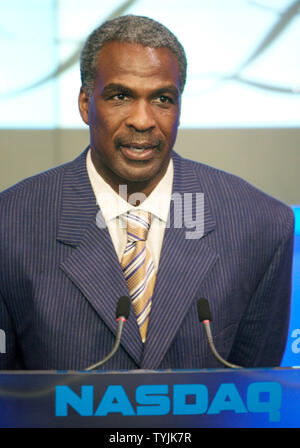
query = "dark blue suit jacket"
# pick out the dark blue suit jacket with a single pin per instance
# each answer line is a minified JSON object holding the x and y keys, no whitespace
{"x":60,"y":277}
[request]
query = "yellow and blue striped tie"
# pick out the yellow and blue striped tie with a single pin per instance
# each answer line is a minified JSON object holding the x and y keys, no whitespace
{"x":138,"y":267}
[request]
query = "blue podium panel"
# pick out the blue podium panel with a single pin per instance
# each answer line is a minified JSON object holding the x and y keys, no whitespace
{"x":242,"y":398}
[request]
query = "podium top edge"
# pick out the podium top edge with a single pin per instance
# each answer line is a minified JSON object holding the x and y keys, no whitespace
{"x":143,"y":371}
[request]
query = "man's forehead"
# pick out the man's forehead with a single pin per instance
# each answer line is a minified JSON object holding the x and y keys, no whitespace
{"x":123,"y":60}
{"x":127,"y":46}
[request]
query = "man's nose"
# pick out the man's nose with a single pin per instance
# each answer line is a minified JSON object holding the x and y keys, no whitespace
{"x":141,"y":116}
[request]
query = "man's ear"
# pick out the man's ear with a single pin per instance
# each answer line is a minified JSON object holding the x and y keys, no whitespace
{"x":83,"y":103}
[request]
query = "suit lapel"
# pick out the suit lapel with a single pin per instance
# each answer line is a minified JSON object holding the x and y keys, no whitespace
{"x":184,"y":265}
{"x":93,"y":265}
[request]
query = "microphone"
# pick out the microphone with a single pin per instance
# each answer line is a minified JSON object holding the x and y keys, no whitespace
{"x":204,"y":315}
{"x":122,"y":314}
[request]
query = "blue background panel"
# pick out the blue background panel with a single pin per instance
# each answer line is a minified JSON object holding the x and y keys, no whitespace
{"x":292,"y":353}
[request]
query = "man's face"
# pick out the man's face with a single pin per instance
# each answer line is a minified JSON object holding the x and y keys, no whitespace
{"x":133,"y":114}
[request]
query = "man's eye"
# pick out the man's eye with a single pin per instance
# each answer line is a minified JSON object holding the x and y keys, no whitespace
{"x":120,"y":96}
{"x":163,"y":99}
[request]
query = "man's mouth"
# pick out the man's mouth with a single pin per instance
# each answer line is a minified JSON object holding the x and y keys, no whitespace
{"x":138,"y":151}
{"x":134,"y":148}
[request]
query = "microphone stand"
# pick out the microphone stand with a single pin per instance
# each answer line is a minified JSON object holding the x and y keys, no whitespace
{"x":120,"y":321}
{"x":213,"y":348}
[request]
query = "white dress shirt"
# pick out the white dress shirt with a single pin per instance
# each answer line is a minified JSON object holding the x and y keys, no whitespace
{"x":112,"y":206}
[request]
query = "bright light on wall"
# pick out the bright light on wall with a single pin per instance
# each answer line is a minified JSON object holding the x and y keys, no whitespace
{"x":244,"y":59}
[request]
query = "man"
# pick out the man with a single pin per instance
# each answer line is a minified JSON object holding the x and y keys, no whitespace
{"x":64,"y":235}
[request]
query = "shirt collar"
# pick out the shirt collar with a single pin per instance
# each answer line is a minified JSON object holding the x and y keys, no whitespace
{"x":113,"y":205}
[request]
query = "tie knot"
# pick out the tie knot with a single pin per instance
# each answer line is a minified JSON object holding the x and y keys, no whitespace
{"x":138,"y":224}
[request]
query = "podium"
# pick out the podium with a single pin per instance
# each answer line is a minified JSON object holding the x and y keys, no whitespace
{"x":222,"y":398}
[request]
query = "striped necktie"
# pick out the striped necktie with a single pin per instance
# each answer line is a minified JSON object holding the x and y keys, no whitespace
{"x":138,"y":267}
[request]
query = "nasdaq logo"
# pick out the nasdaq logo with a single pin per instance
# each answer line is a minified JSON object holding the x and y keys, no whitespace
{"x":180,"y":399}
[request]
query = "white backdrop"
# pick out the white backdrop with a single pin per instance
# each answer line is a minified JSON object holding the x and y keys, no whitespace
{"x":244,"y":59}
